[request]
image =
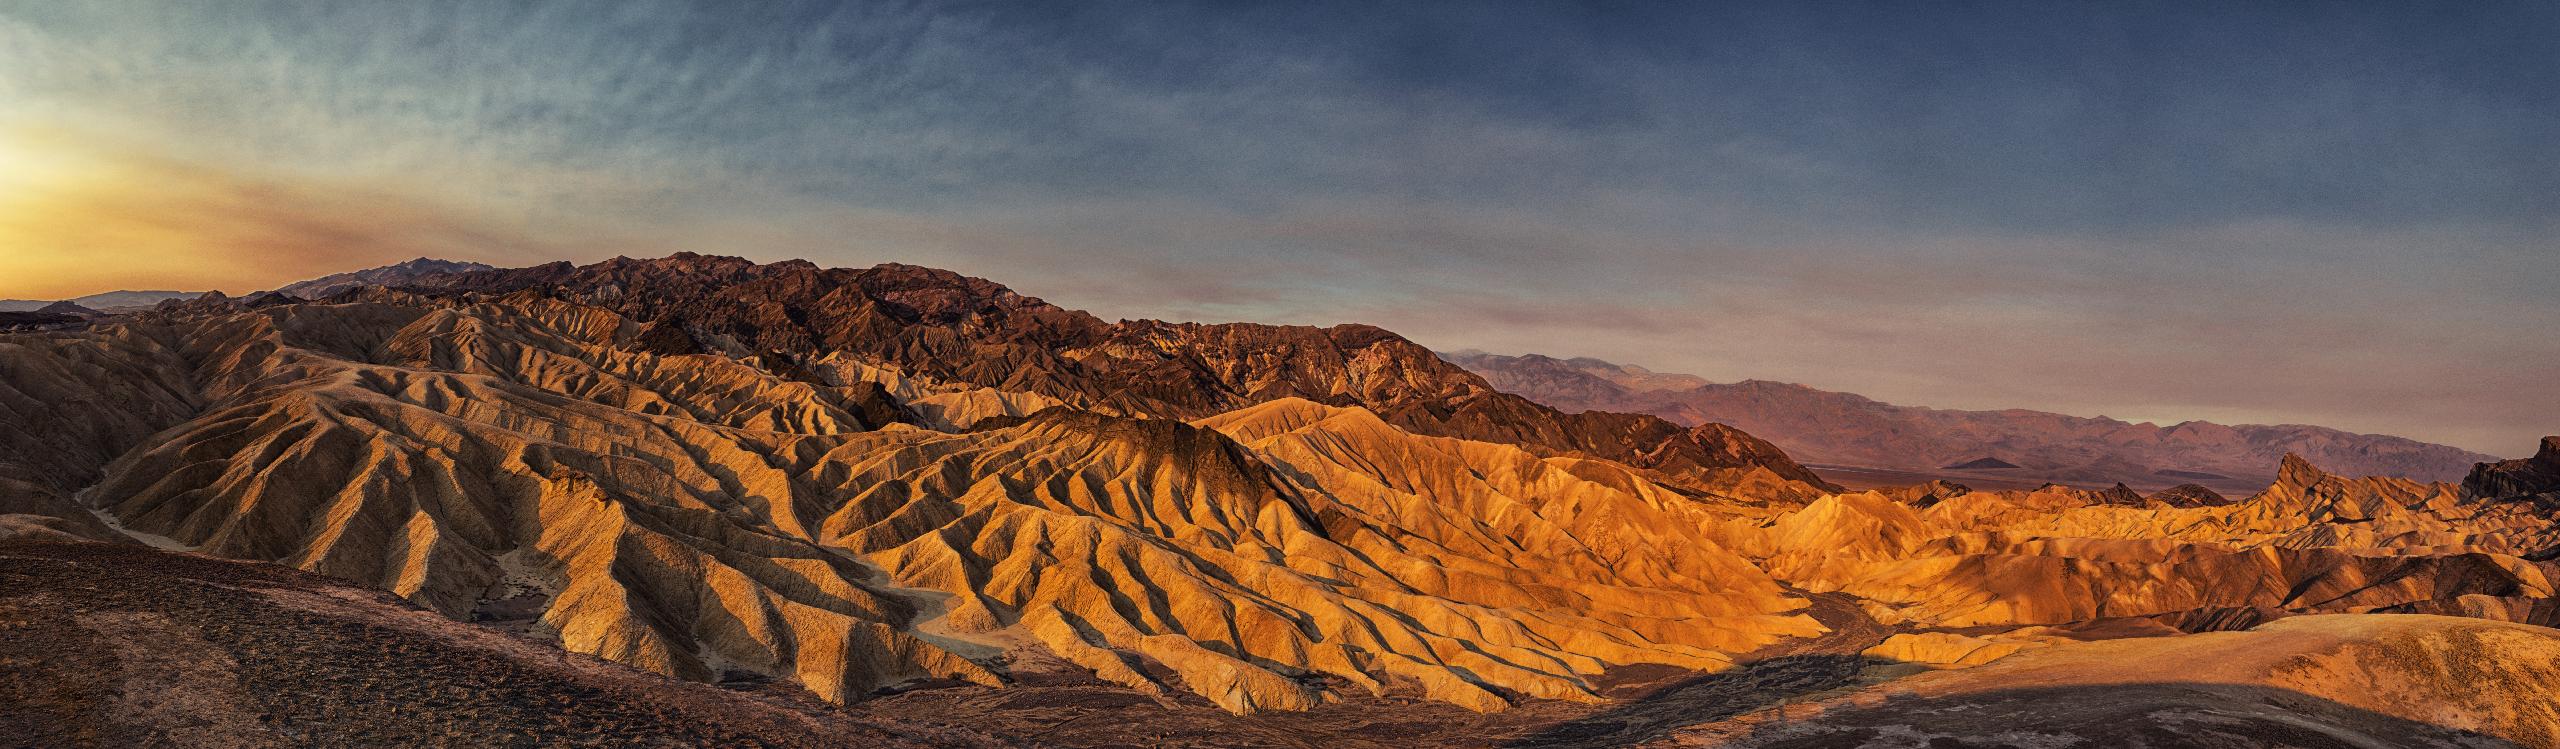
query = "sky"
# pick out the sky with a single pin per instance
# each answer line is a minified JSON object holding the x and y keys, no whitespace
{"x":2339,"y":214}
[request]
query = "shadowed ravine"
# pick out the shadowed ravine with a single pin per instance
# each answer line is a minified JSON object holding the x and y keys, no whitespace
{"x":120,"y":645}
{"x":1773,"y":676}
{"x":907,"y":501}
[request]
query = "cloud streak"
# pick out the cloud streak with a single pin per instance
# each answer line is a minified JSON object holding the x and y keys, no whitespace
{"x":2244,"y":213}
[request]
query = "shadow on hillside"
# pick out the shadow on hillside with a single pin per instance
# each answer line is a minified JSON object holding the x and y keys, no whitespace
{"x":352,"y":674}
{"x":1704,"y":698}
{"x":2152,"y":714}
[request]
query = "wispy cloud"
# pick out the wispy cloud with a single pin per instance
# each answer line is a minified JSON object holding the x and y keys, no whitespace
{"x":2242,"y":213}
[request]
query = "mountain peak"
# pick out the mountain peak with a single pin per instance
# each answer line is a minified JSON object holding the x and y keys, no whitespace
{"x":67,"y":307}
{"x":2121,"y":494}
{"x":1846,"y":429}
{"x":2299,"y":472}
{"x":1984,"y":463}
{"x":1299,"y":493}
{"x":107,"y":301}
{"x":2519,"y":477}
{"x":404,"y":273}
{"x":2190,"y":495}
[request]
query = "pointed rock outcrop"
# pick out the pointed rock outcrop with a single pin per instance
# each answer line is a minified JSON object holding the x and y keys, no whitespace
{"x":2525,"y":477}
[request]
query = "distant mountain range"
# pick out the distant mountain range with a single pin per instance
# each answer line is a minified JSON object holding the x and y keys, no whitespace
{"x":1822,"y":427}
{"x":894,"y":505}
{"x":112,"y":301}
{"x":396,"y":274}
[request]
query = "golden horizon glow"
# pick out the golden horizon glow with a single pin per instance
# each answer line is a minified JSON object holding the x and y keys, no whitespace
{"x":31,"y":158}
{"x":80,"y":216}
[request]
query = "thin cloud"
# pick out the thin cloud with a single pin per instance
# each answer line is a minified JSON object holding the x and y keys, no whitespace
{"x":2239,"y":215}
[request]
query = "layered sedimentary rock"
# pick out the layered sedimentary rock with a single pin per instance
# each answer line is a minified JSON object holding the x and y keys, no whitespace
{"x":1951,"y":650}
{"x":851,"y":480}
{"x":436,"y":453}
{"x":2310,"y":542}
{"x":2537,"y":477}
{"x":69,"y":405}
{"x":695,"y":514}
{"x":948,"y":328}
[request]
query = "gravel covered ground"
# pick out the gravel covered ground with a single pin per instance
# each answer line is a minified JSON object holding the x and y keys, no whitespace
{"x":118,"y":645}
{"x":123,"y":646}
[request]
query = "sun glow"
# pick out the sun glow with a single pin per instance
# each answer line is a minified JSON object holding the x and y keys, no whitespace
{"x":31,"y":160}
{"x":80,"y":215}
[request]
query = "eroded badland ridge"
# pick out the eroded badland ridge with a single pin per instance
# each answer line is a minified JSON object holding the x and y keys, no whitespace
{"x":888,"y":498}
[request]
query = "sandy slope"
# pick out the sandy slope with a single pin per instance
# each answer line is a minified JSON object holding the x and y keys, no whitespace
{"x":126,"y":646}
{"x":692,"y":513}
{"x":2348,"y":681}
{"x":656,"y":495}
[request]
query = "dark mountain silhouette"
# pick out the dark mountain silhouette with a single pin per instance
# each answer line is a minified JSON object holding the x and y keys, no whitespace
{"x":1844,"y":429}
{"x":942,"y":325}
{"x":112,"y":301}
{"x":396,"y":274}
{"x":892,"y":497}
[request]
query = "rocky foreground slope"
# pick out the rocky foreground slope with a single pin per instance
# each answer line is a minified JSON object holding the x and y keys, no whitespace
{"x":850,"y":484}
{"x":120,"y":645}
{"x":2320,"y":681}
{"x":693,"y":514}
{"x":1845,"y":429}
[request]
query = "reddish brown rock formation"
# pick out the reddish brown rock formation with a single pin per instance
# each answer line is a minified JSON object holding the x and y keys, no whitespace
{"x":570,"y":470}
{"x":840,"y":481}
{"x":396,"y":274}
{"x":944,"y":326}
{"x":2120,"y":495}
{"x":2536,"y":476}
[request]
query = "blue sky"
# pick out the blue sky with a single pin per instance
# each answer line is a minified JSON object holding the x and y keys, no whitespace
{"x":2332,"y":213}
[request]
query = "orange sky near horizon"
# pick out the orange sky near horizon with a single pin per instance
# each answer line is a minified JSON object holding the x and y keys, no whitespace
{"x":79,"y":216}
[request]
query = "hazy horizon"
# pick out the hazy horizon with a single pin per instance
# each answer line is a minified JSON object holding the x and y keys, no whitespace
{"x":2241,"y":213}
